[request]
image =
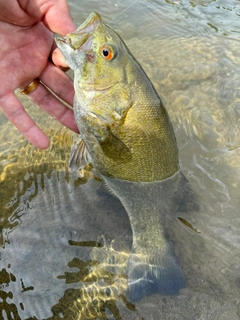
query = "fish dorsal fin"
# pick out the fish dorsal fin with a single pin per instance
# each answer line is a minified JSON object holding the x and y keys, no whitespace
{"x":114,"y":148}
{"x":79,"y":156}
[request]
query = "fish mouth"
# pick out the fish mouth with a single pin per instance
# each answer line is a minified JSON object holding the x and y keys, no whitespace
{"x":90,"y":24}
{"x":81,"y":37}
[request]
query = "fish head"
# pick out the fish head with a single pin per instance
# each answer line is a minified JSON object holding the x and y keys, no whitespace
{"x":96,"y":54}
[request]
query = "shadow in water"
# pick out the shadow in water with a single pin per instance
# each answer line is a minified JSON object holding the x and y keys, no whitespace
{"x":98,"y":297}
{"x":8,"y":310}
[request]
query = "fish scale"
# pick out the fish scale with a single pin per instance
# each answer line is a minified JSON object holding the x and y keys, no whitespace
{"x":127,"y":136}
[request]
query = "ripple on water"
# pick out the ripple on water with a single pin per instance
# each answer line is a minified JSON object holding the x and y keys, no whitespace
{"x":192,"y":57}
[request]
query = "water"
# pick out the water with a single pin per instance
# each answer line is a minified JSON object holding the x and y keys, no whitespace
{"x":65,"y":241}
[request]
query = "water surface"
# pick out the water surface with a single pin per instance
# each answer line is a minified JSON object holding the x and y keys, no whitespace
{"x":65,"y":240}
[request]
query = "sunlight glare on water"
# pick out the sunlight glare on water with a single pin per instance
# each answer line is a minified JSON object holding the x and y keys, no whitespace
{"x":61,"y":254}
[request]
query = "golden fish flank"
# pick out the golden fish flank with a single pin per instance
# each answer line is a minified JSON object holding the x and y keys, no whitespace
{"x":116,"y":101}
{"x":127,"y":136}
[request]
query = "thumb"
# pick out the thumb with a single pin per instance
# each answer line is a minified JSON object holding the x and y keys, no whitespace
{"x":55,"y":14}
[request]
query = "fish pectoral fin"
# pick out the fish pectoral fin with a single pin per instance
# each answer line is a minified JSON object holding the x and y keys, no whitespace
{"x":114,"y":148}
{"x":79,"y":156}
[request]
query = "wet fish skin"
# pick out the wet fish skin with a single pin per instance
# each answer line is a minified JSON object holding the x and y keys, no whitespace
{"x":127,"y":136}
{"x":152,"y":266}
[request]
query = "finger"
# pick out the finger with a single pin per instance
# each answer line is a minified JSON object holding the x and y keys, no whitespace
{"x":59,"y":82}
{"x":47,"y":102}
{"x":58,"y":18}
{"x":15,"y":112}
{"x":54,"y":14}
{"x":58,"y":59}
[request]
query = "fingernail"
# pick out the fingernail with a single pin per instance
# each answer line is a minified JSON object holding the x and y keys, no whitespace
{"x":63,"y":68}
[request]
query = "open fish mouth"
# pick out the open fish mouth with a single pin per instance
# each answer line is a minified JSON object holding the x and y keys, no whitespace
{"x":90,"y":24}
{"x":81,"y":37}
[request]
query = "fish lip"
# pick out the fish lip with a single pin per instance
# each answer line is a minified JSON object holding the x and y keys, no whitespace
{"x":82,"y":43}
{"x":81,"y":37}
{"x":90,"y":24}
{"x":58,"y":38}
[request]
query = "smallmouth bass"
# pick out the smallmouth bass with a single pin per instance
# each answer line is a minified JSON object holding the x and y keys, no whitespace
{"x":127,"y":136}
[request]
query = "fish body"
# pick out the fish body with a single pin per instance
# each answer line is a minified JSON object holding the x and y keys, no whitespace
{"x":127,"y":136}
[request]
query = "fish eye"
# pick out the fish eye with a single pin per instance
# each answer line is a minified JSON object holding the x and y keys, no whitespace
{"x":107,"y":52}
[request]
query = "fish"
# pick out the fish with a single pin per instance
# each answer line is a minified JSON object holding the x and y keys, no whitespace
{"x":127,"y":136}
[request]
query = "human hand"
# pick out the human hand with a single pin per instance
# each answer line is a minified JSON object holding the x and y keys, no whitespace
{"x":26,"y":44}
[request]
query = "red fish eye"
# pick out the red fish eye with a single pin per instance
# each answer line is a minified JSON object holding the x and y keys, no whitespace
{"x":107,"y":52}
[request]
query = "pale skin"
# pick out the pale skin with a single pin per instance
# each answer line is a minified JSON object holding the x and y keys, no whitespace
{"x":27,"y":42}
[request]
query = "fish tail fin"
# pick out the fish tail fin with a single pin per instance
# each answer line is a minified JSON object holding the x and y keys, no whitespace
{"x":153,"y":274}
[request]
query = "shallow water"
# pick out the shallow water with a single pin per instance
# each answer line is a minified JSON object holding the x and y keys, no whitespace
{"x":65,"y":240}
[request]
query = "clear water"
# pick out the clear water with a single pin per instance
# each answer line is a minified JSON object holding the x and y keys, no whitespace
{"x":65,"y":241}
